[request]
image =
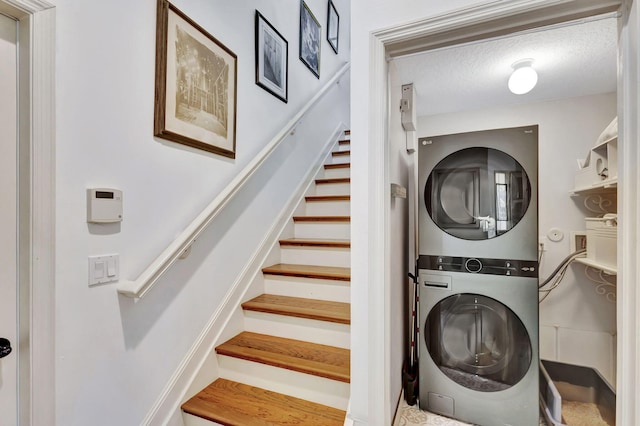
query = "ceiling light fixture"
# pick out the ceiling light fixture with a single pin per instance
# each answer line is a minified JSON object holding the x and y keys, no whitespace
{"x":523,"y":78}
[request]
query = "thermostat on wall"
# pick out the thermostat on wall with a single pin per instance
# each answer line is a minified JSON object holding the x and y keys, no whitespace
{"x":104,"y":205}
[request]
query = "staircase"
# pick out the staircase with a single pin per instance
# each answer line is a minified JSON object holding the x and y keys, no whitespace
{"x":291,"y":364}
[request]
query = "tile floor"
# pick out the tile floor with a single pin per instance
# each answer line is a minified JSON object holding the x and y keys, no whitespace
{"x":413,"y":416}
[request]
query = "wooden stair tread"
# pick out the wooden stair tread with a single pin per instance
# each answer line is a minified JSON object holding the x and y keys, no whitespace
{"x":340,"y":153}
{"x":347,"y":132}
{"x":336,"y":273}
{"x":333,"y":180}
{"x":322,"y":218}
{"x":321,"y":310}
{"x":337,"y":166}
{"x":312,"y":198}
{"x":344,"y":142}
{"x":316,"y":242}
{"x":236,"y":404}
{"x":309,"y":358}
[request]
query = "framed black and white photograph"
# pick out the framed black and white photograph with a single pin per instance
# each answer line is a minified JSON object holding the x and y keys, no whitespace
{"x":333,"y":26}
{"x":196,"y":80}
{"x":310,"y":34}
{"x":272,"y":59}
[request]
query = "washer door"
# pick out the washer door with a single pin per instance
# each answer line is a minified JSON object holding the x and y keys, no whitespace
{"x":478,"y":342}
{"x":477,"y":193}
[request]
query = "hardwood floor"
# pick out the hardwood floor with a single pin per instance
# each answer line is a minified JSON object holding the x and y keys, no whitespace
{"x":318,"y":360}
{"x":309,"y":271}
{"x":321,"y":310}
{"x":231,"y":403}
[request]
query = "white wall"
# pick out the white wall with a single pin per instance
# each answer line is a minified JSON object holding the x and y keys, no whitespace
{"x":114,"y":356}
{"x":567,"y":130}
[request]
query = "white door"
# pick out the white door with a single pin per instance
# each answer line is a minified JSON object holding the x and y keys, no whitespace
{"x":8,"y":221}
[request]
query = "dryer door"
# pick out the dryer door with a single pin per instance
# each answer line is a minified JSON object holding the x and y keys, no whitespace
{"x":477,"y":193}
{"x":478,"y":342}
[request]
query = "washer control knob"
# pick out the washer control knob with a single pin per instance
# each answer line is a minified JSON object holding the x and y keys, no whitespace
{"x":473,"y":265}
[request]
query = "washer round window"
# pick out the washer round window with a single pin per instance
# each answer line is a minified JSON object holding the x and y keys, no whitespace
{"x":478,"y":342}
{"x":477,"y":193}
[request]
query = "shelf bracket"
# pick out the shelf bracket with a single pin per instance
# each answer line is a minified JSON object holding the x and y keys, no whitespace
{"x":604,"y":287}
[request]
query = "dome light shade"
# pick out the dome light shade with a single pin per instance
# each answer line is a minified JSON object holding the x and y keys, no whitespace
{"x":524,"y":78}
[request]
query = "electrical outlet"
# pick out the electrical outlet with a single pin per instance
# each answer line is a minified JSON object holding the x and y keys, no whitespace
{"x":578,"y":241}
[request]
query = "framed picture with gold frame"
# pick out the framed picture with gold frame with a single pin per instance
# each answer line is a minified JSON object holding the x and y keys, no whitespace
{"x":196,"y":85}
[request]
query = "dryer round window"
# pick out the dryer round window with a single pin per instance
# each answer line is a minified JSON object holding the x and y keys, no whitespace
{"x":477,"y":193}
{"x":478,"y":342}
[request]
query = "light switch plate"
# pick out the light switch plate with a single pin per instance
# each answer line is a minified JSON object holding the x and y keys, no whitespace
{"x":104,"y":269}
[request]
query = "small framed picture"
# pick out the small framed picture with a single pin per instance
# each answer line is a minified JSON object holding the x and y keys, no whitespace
{"x":310,"y":34}
{"x":196,"y":80}
{"x":272,"y":59}
{"x":333,"y":26}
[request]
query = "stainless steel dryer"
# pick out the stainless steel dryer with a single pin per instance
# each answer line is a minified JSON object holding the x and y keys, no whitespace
{"x":479,"y":193}
{"x":478,"y":308}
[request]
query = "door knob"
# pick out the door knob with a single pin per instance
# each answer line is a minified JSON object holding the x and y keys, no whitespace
{"x":5,"y":347}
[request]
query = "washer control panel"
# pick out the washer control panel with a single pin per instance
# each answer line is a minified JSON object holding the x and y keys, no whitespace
{"x":472,"y":265}
{"x":477,"y":265}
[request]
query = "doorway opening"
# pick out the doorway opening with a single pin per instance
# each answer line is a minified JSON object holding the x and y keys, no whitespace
{"x":35,"y":161}
{"x":573,"y":102}
{"x":475,"y":24}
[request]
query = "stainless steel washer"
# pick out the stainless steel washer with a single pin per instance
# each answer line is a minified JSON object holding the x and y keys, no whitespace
{"x":479,"y":342}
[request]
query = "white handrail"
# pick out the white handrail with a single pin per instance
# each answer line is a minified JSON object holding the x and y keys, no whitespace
{"x":182,"y":244}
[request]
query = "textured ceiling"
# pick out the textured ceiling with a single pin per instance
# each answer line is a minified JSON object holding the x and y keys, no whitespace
{"x":571,"y":60}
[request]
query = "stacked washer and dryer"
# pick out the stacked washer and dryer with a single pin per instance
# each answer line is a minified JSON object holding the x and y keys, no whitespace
{"x":478,"y":276}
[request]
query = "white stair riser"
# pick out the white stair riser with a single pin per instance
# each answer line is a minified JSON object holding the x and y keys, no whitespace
{"x":320,"y":256}
{"x":336,"y":291}
{"x":333,"y":189}
{"x":339,"y":159}
{"x":343,"y":147}
{"x":337,"y":173}
{"x":340,"y":230}
{"x":305,"y":386}
{"x":328,"y":208}
{"x":191,"y":420}
{"x":308,"y":330}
